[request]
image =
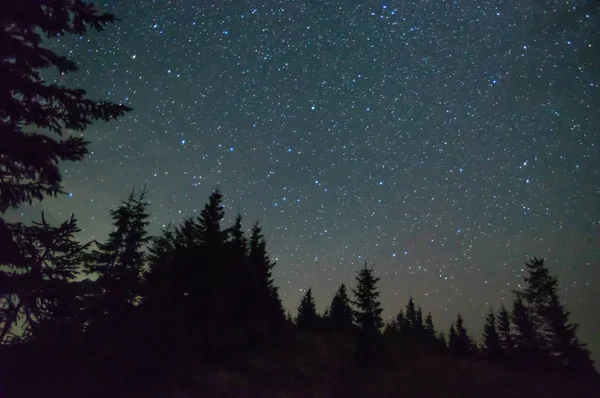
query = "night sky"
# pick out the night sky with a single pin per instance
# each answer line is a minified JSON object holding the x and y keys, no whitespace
{"x":444,"y":142}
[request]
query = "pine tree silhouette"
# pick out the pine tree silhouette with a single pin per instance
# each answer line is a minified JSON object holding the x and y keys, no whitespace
{"x":419,"y":329}
{"x":410,"y":316}
{"x":340,"y":312}
{"x":34,"y":117}
{"x":555,"y":334}
{"x":50,"y":307}
{"x":307,"y":317}
{"x":402,"y":325}
{"x":459,"y":341}
{"x":491,"y":338}
{"x":32,"y":111}
{"x":367,"y":317}
{"x":268,"y":310}
{"x":119,"y":263}
{"x":525,"y":336}
{"x":505,"y":334}
{"x":429,"y":329}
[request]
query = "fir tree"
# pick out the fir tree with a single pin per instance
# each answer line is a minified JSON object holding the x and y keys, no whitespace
{"x":419,"y":329}
{"x":505,"y":335}
{"x":119,"y":263}
{"x":307,"y":317}
{"x":368,"y":317}
{"x":429,"y":328}
{"x":401,"y":324}
{"x":340,"y":312}
{"x":491,"y":339}
{"x":554,"y":333}
{"x":368,"y":308}
{"x":459,"y":341}
{"x":525,"y":337}
{"x":263,"y":289}
{"x":38,"y":114}
{"x":40,"y":290}
{"x":442,"y":341}
{"x":410,"y":315}
{"x":34,"y":118}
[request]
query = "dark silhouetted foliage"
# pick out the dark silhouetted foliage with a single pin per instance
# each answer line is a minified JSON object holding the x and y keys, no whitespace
{"x":491,"y":339}
{"x":340,"y":314}
{"x":307,"y":317}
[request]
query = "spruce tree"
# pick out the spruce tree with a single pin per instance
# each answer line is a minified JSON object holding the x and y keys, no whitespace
{"x":491,"y":338}
{"x":119,"y":263}
{"x":35,"y":114}
{"x":419,"y":329}
{"x":340,"y":312}
{"x":505,"y":334}
{"x":459,"y":341}
{"x":368,"y":311}
{"x":410,"y":315}
{"x":554,"y":332}
{"x":442,"y":340}
{"x":429,"y":328}
{"x":368,"y":308}
{"x":264,"y":293}
{"x":402,"y":324}
{"x":35,"y":118}
{"x":40,"y":292}
{"x":525,"y":336}
{"x":307,"y":317}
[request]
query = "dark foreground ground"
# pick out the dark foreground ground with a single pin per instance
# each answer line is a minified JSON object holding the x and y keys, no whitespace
{"x":312,"y":366}
{"x":319,"y":367}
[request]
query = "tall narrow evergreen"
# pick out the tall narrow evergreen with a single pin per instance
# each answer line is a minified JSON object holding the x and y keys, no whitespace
{"x":525,"y":336}
{"x":369,"y":349}
{"x":555,"y":334}
{"x":266,"y":294}
{"x":401,"y":324}
{"x":419,"y":328}
{"x":505,"y":334}
{"x":459,"y":341}
{"x":368,"y":308}
{"x":410,"y":315}
{"x":491,"y":338}
{"x":429,"y":328}
{"x":340,"y":312}
{"x":307,"y":317}
{"x":119,"y":263}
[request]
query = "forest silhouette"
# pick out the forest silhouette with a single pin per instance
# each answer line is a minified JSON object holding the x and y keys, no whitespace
{"x":195,"y":311}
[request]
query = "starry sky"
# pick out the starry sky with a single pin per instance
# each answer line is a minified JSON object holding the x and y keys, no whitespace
{"x":442,"y":142}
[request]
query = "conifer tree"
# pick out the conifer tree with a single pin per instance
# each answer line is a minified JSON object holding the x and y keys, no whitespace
{"x":419,"y":329}
{"x":429,"y":328}
{"x":505,"y":335}
{"x":459,"y":341}
{"x":368,"y":317}
{"x":368,"y":308}
{"x":119,"y":263}
{"x":554,"y":332}
{"x":525,"y":336}
{"x":307,"y":317}
{"x":35,"y":117}
{"x":410,"y":315}
{"x":491,"y":339}
{"x":340,"y":312}
{"x":442,"y":341}
{"x":40,"y":291}
{"x":402,"y":324}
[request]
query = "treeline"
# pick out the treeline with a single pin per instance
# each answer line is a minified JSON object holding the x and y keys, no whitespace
{"x":136,"y":308}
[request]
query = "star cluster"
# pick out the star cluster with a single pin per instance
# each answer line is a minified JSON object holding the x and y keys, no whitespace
{"x":443,"y":142}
